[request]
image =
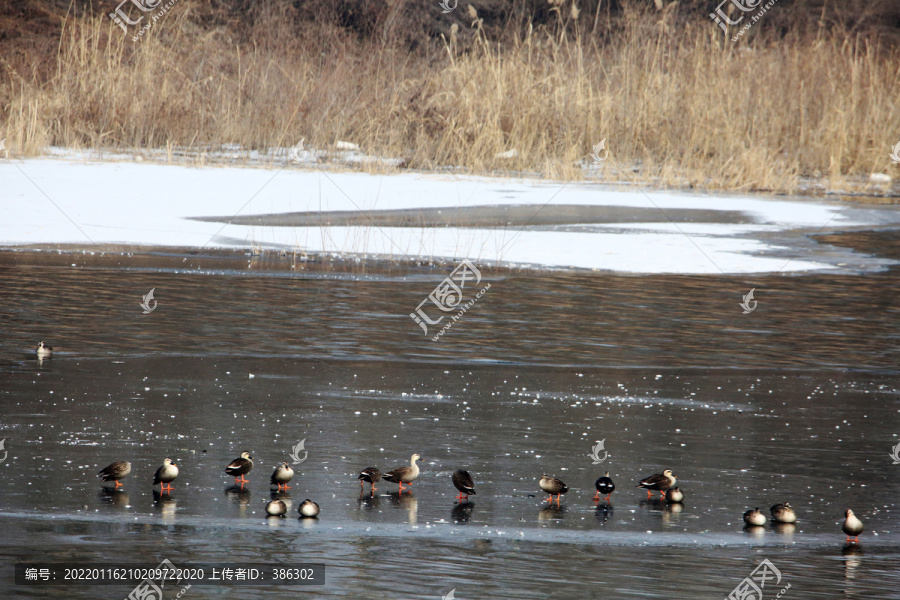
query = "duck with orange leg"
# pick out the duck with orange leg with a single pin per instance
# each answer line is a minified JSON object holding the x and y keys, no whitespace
{"x":463,"y":482}
{"x":604,"y":485}
{"x":369,"y":475}
{"x":116,"y":471}
{"x":659,"y":482}
{"x":240,"y":467}
{"x":406,"y":475}
{"x":282,"y":476}
{"x":552,"y":486}
{"x":852,"y":526}
{"x":165,"y":475}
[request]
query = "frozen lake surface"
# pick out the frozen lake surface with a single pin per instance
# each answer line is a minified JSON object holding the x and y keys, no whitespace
{"x":797,"y":401}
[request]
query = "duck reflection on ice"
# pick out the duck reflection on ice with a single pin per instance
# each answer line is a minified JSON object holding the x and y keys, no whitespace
{"x":461,"y":513}
{"x":165,"y":505}
{"x":604,"y":512}
{"x":239,"y":496}
{"x":551,"y":513}
{"x":109,"y":495}
{"x":408,"y":502}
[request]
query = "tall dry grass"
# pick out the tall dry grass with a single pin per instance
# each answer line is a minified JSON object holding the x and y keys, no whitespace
{"x":677,"y":104}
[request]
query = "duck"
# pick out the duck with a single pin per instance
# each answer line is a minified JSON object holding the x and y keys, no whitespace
{"x":44,"y":351}
{"x":604,"y":485}
{"x":783,"y":513}
{"x":660,"y":482}
{"x":551,"y":485}
{"x":406,"y":475}
{"x":276,"y":508}
{"x":282,"y":476}
{"x":463,"y":481}
{"x":308,"y":509}
{"x":674,"y":495}
{"x":369,"y":475}
{"x":754,"y":518}
{"x":116,"y":471}
{"x":240,"y":467}
{"x":852,"y":526}
{"x":166,"y":474}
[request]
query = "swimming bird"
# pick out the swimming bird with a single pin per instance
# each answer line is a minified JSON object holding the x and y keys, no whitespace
{"x":660,"y":482}
{"x":551,"y":485}
{"x":852,"y":526}
{"x":166,"y":474}
{"x":369,"y":475}
{"x":116,"y":471}
{"x":44,"y":351}
{"x":464,"y":483}
{"x":405,"y":475}
{"x":276,"y":508}
{"x":783,"y":513}
{"x":308,"y":509}
{"x":674,"y":495}
{"x":240,"y":467}
{"x":754,"y":517}
{"x":604,"y":485}
{"x":282,"y":476}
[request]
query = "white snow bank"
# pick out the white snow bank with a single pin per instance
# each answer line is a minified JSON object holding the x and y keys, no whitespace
{"x":60,"y":200}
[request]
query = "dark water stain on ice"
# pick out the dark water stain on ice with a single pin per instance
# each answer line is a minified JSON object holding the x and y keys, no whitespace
{"x":797,"y":401}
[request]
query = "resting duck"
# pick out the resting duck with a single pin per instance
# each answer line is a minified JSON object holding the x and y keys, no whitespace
{"x":551,"y":485}
{"x":282,"y":476}
{"x":852,"y":526}
{"x":462,"y":481}
{"x":674,"y":495}
{"x":754,"y":518}
{"x":116,"y":471}
{"x":405,"y":475}
{"x":166,"y":474}
{"x":783,"y":513}
{"x":369,"y":475}
{"x":604,"y":485}
{"x":240,"y":467}
{"x":44,"y":351}
{"x":660,"y":482}
{"x":309,"y":509}
{"x":276,"y":508}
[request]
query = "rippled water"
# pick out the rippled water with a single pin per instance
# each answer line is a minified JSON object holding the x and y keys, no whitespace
{"x":797,"y":401}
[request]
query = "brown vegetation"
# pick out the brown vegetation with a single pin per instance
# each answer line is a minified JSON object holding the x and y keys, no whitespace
{"x":809,"y":93}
